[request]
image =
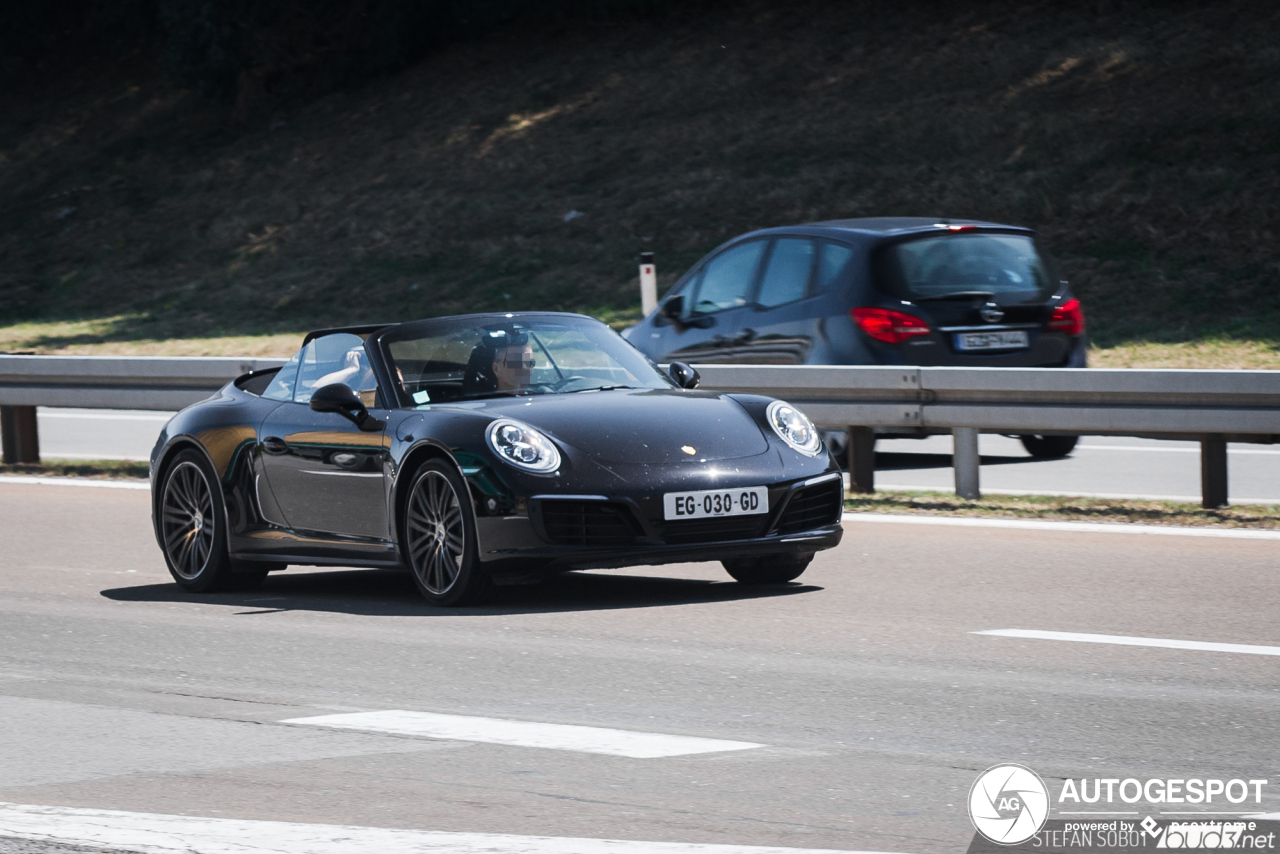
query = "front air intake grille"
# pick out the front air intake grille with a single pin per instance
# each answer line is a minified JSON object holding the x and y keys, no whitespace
{"x":713,"y":530}
{"x":588,"y":523}
{"x":813,"y":507}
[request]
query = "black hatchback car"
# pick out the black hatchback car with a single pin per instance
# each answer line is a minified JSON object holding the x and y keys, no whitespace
{"x":887,"y":291}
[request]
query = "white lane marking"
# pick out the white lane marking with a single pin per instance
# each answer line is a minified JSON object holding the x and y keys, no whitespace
{"x":63,"y":455}
{"x":106,"y":416}
{"x":162,"y":834}
{"x":1121,"y":496}
{"x":583,"y":739}
{"x":75,"y":481}
{"x":1149,"y":449}
{"x":1077,"y":527}
{"x":1123,"y":640}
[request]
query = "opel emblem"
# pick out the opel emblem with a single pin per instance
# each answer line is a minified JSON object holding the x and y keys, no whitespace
{"x":990,"y":313}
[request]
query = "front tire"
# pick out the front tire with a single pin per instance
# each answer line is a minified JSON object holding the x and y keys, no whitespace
{"x":1049,"y":447}
{"x":193,"y":527}
{"x":768,"y":569}
{"x":440,"y":538}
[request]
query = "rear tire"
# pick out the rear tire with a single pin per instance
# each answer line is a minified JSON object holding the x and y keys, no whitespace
{"x":1049,"y":447}
{"x":768,"y":569}
{"x":193,"y":526}
{"x":439,"y":538}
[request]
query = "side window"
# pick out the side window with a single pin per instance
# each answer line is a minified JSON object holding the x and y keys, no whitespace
{"x":832,"y":259}
{"x":281,"y":387}
{"x":727,"y":279}
{"x":337,"y":358}
{"x":786,"y":276}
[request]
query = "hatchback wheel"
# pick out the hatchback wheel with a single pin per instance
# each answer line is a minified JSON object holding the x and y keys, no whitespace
{"x":1049,"y":447}
{"x":768,"y":569}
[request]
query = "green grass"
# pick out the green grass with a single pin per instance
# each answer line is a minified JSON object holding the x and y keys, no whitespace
{"x":135,"y":218}
{"x":1066,"y":509}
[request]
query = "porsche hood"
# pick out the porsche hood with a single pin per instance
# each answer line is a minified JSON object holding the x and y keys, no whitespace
{"x":646,"y":427}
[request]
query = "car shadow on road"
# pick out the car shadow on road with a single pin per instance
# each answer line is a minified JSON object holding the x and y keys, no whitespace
{"x":905,"y":462}
{"x":388,"y":593}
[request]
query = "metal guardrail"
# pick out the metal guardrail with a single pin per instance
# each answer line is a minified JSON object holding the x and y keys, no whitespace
{"x":1213,"y":407}
{"x":162,"y":383}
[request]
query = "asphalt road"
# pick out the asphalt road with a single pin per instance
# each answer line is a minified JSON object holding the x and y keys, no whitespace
{"x":875,"y":705}
{"x":1109,"y":466}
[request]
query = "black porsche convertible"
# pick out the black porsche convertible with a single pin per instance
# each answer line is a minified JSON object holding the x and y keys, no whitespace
{"x":486,"y":449}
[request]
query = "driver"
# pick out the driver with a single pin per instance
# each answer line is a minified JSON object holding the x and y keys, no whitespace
{"x":501,"y":361}
{"x":512,"y":366}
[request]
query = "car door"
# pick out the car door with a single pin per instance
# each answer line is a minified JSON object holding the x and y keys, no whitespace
{"x":715,"y":302}
{"x":785,"y":324}
{"x":325,"y":473}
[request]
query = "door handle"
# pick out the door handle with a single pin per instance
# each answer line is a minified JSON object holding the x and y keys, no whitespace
{"x":275,"y":445}
{"x":746,"y":336}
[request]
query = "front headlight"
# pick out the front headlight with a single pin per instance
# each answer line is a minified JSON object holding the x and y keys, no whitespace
{"x":794,"y":428}
{"x":523,"y":447}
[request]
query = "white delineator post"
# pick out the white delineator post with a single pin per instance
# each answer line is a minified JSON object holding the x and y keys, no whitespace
{"x":648,"y":284}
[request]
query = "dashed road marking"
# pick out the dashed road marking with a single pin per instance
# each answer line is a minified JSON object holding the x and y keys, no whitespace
{"x":1123,"y":640}
{"x":583,"y":739}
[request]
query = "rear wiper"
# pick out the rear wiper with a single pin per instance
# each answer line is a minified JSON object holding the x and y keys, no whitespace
{"x":957,"y":295}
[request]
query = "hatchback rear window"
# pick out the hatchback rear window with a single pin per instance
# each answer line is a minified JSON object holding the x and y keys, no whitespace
{"x":963,"y":263}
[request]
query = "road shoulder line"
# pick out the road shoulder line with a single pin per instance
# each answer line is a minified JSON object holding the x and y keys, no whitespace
{"x":74,"y":481}
{"x":196,"y":835}
{"x":1076,"y":527}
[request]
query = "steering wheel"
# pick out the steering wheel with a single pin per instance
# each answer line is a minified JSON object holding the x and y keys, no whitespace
{"x":560,"y":384}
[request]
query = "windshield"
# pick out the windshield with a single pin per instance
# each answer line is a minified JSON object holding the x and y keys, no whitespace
{"x":474,"y":358}
{"x":968,"y":264}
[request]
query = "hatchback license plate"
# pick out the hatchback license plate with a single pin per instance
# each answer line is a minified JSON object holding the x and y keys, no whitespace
{"x":715,"y":502}
{"x":992,"y":340}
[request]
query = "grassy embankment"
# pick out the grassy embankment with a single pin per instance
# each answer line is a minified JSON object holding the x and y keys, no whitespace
{"x":1142,"y":140}
{"x":1060,"y":508}
{"x":111,"y":469}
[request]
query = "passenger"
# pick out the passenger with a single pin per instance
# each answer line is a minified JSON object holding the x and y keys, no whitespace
{"x":355,"y":372}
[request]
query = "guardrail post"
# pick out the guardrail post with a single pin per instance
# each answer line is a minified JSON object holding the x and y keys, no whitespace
{"x":20,"y":434}
{"x":1213,"y":471}
{"x":862,"y":459}
{"x":964,"y":458}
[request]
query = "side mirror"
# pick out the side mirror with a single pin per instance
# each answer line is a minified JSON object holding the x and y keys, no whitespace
{"x":339,"y":398}
{"x":673,"y":309}
{"x":685,"y":376}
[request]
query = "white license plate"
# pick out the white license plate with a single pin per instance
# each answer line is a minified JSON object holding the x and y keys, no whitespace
{"x":992,"y":340}
{"x":742,"y":501}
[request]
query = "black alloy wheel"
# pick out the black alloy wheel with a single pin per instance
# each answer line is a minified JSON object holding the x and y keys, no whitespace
{"x":767,"y":569}
{"x":192,"y":530}
{"x":439,"y":538}
{"x":1049,"y":447}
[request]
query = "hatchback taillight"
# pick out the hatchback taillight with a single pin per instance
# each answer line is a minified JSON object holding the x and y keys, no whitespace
{"x":1068,"y":318}
{"x":889,"y":326}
